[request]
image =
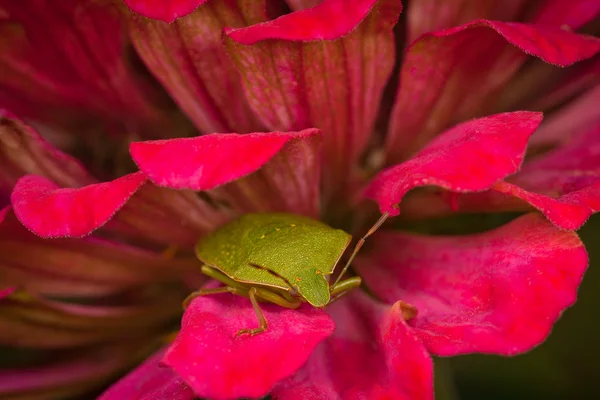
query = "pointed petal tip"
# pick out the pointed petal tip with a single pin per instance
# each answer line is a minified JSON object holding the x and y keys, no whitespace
{"x":164,"y":10}
{"x":208,"y":161}
{"x":50,"y":211}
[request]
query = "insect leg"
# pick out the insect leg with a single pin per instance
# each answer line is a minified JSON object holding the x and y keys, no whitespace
{"x":205,"y":292}
{"x":343,"y":287}
{"x":262,"y":321}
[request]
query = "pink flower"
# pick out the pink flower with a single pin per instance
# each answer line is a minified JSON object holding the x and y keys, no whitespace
{"x":316,"y":133}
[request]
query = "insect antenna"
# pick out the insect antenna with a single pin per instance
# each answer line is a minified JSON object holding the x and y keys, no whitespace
{"x":274,"y":274}
{"x":359,"y":244}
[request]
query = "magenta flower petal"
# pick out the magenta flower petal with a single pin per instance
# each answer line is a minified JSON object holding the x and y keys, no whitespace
{"x":150,"y":381}
{"x":205,"y":162}
{"x":470,"y":157}
{"x":372,"y":354}
{"x":324,"y":67}
{"x":445,"y":76}
{"x":495,"y":292}
{"x":248,"y":366}
{"x":189,"y":59}
{"x":50,"y":211}
{"x":570,"y":14}
{"x":164,"y":10}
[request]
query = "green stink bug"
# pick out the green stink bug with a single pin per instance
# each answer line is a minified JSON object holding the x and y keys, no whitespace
{"x":285,"y":259}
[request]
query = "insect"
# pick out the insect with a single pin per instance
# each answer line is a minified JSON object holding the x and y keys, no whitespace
{"x":281,"y":258}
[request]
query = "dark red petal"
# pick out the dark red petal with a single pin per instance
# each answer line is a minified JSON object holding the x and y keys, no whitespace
{"x":217,"y":364}
{"x":323,"y":67}
{"x":205,"y":162}
{"x":189,"y":59}
{"x":150,"y":381}
{"x":23,"y":151}
{"x":72,"y":376}
{"x":71,"y":268}
{"x":297,"y":5}
{"x":164,"y":10}
{"x":50,"y":211}
{"x":496,"y":292}
{"x":372,"y":354}
{"x":447,"y":75}
{"x":469,"y":157}
{"x":432,"y":15}
{"x":567,"y":13}
{"x":85,"y":74}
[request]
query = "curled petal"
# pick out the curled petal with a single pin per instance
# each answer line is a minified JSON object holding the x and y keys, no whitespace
{"x":455,"y":74}
{"x":322,"y":67}
{"x":569,"y":14}
{"x":188,"y":58}
{"x":150,"y":381}
{"x":469,"y":157}
{"x":50,"y":211}
{"x":164,"y":10}
{"x":372,"y":354}
{"x":496,"y":292}
{"x":217,"y":364}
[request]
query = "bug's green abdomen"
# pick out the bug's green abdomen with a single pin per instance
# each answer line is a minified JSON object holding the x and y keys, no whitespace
{"x":285,"y":243}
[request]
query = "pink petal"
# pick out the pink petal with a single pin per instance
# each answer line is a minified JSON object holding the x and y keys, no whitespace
{"x":84,"y":75}
{"x":452,"y":75}
{"x":50,"y":211}
{"x":205,"y":162}
{"x":372,"y":354}
{"x":150,"y":381}
{"x":217,"y":364}
{"x":189,"y":60}
{"x":323,"y":67}
{"x":496,"y":292}
{"x":164,"y":10}
{"x":469,"y":157}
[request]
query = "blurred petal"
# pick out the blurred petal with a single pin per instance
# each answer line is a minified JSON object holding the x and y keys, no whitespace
{"x":469,"y":157}
{"x":66,"y":61}
{"x":86,"y":267}
{"x":567,"y":13}
{"x":23,"y":151}
{"x":297,"y":5}
{"x":447,"y":76}
{"x":164,"y":10}
{"x":71,"y":375}
{"x":496,"y":292}
{"x":323,"y":67}
{"x":275,"y":171}
{"x":50,"y":211}
{"x":432,"y":15}
{"x":37,"y":322}
{"x":208,"y":333}
{"x":150,"y":381}
{"x":189,"y":59}
{"x":372,"y":354}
